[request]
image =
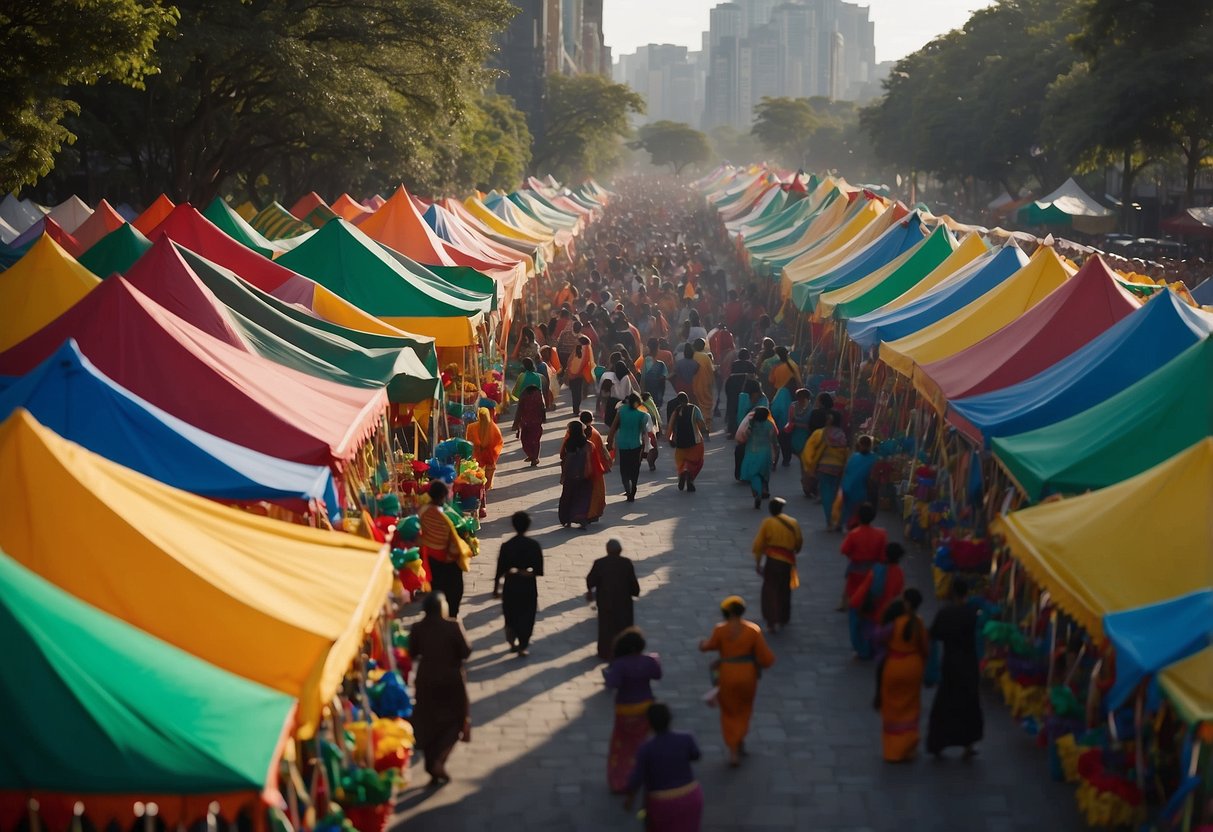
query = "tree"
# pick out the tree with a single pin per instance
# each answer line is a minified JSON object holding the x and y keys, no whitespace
{"x":784,"y":126}
{"x":283,"y":94}
{"x":733,"y":146}
{"x":675,"y":144}
{"x":585,"y":119}
{"x":50,"y":44}
{"x":494,"y":148}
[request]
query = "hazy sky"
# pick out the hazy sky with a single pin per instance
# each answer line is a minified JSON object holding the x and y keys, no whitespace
{"x":902,"y":26}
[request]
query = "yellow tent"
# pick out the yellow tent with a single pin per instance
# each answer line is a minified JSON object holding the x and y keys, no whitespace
{"x":864,"y":226}
{"x":970,"y":248}
{"x":834,"y":298}
{"x":38,"y":288}
{"x":825,"y":223}
{"x":280,"y":604}
{"x":992,"y":311}
{"x":1142,"y":541}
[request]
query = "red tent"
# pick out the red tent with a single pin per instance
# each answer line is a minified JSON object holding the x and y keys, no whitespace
{"x":102,"y":221}
{"x":176,"y":366}
{"x":153,"y":215}
{"x":1192,"y":223}
{"x":1077,"y":311}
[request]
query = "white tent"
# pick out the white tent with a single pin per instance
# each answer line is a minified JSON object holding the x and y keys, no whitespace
{"x":71,"y":213}
{"x":7,"y":232}
{"x":19,"y":213}
{"x":1071,"y":199}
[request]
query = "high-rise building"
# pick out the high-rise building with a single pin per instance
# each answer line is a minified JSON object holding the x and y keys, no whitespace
{"x":670,"y":79}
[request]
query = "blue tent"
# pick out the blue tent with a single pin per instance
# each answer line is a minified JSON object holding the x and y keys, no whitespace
{"x":981,"y":276}
{"x":67,"y":394}
{"x":895,"y":241}
{"x":1125,"y":353}
{"x":1151,"y":638}
{"x":1203,"y":294}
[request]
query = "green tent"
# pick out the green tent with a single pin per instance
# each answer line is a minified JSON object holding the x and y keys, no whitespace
{"x":94,"y":706}
{"x":924,"y":260}
{"x":116,"y":252}
{"x":408,"y":366}
{"x":237,"y":227}
{"x":276,"y":223}
{"x":1141,"y":426}
{"x":790,"y":226}
{"x":344,"y":260}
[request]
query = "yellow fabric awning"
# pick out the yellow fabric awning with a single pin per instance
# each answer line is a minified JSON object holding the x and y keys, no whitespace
{"x":280,"y":604}
{"x":337,"y":310}
{"x":1145,"y":540}
{"x":970,"y":248}
{"x":38,"y":288}
{"x":446,"y":332}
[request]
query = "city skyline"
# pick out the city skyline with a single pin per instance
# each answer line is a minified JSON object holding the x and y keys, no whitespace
{"x":903,"y":27}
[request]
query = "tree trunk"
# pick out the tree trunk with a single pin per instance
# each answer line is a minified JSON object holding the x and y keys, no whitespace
{"x":1128,"y":174}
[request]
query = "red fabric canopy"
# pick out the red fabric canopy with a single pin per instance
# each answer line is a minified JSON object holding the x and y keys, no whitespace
{"x":176,"y":366}
{"x":1081,"y":308}
{"x":167,"y":279}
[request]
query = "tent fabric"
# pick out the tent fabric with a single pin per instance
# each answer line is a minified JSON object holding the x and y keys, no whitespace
{"x":1082,"y":308}
{"x":1193,"y":222}
{"x":399,"y":226}
{"x":47,"y":226}
{"x":7,"y":232}
{"x":1092,"y":552}
{"x":899,"y":275}
{"x":280,"y":604}
{"x":349,"y":263}
{"x":970,"y":249}
{"x":194,"y":231}
{"x":115,"y":252}
{"x":1151,"y":638}
{"x":97,"y":706}
{"x":1069,"y":205}
{"x":70,"y":396}
{"x":1137,"y":428}
{"x":235,"y":226}
{"x":19,"y":213}
{"x":38,"y":288}
{"x":71,"y":213}
{"x":216,"y":387}
{"x":820,"y":226}
{"x":1123,"y":354}
{"x":349,"y":209}
{"x":900,"y":237}
{"x":1203,"y":294}
{"x":306,"y":204}
{"x":153,"y":215}
{"x":276,"y":223}
{"x":867,"y":221}
{"x":102,"y":221}
{"x":407,"y":365}
{"x":1044,"y":273}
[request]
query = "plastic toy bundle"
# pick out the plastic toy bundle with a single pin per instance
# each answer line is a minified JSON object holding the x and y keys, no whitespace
{"x":389,"y":698}
{"x":449,"y":450}
{"x":410,"y":569}
{"x":439,"y":470}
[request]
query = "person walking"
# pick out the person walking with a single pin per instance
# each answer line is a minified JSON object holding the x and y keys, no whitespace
{"x":673,"y":799}
{"x":880,"y":587}
{"x":630,"y":674}
{"x":576,"y":477}
{"x":487,"y":444}
{"x":627,"y":434}
{"x":612,"y":582}
{"x":579,"y":370}
{"x":687,"y":433}
{"x":900,"y":676}
{"x":855,"y":480}
{"x":519,"y":563}
{"x":440,"y":713}
{"x":761,"y":440}
{"x":956,"y":718}
{"x":822,"y":461}
{"x":528,"y":422}
{"x":744,"y":654}
{"x":778,"y":542}
{"x":445,"y":555}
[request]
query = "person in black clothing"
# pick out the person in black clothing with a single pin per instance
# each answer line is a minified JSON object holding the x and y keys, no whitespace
{"x":821,"y":413}
{"x":612,"y":583}
{"x":740,"y":372}
{"x":956,"y":718}
{"x":519,"y":562}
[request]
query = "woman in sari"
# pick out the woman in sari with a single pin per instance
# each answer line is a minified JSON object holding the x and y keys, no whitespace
{"x":549,"y":367}
{"x":784,"y":371}
{"x":487,"y":444}
{"x":528,"y":422}
{"x":673,"y":799}
{"x":687,"y":433}
{"x":855,"y":477}
{"x":880,"y":587}
{"x":823,"y":459}
{"x":761,"y":440}
{"x":580,"y":371}
{"x":900,"y":675}
{"x":751,"y":396}
{"x":798,"y":426}
{"x":704,"y":385}
{"x":630,"y":674}
{"x":744,"y":654}
{"x":576,"y":467}
{"x":440,"y":715}
{"x":741,"y":371}
{"x":600,"y":464}
{"x":781,"y":412}
{"x":527,"y":378}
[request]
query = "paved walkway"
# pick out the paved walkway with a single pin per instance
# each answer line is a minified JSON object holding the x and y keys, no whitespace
{"x":537,"y":760}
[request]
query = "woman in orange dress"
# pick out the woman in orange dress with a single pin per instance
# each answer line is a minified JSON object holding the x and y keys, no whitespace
{"x":900,"y":676}
{"x":487,"y":444}
{"x":744,"y":654}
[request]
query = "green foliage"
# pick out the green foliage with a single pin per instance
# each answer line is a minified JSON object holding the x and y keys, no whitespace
{"x":586,"y":118}
{"x":48,"y":45}
{"x":734,"y":146}
{"x":290,"y":95}
{"x":785,"y":126}
{"x":675,"y":144}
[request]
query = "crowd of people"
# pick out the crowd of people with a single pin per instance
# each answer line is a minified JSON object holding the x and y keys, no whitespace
{"x":649,"y":326}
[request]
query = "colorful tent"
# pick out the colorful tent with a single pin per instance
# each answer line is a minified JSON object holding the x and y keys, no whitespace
{"x":115,"y":252}
{"x":102,"y":221}
{"x":1203,"y":294}
{"x":153,"y":215}
{"x":238,"y":228}
{"x":1093,"y":552}
{"x":276,"y":603}
{"x":70,"y":396}
{"x":348,"y":262}
{"x":194,"y":231}
{"x":71,"y":213}
{"x":1125,"y":353}
{"x":19,"y":213}
{"x":1069,"y":205}
{"x":1086,"y":305}
{"x":221,"y":389}
{"x":38,"y":288}
{"x":1043,"y":274}
{"x":46,"y":226}
{"x":101,"y":712}
{"x":900,"y":237}
{"x":1195,"y":223}
{"x":1137,"y":428}
{"x":350,"y":209}
{"x":966,"y":285}
{"x":276,"y":223}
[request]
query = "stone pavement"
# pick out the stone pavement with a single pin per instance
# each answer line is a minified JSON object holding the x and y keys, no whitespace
{"x":537,"y":760}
